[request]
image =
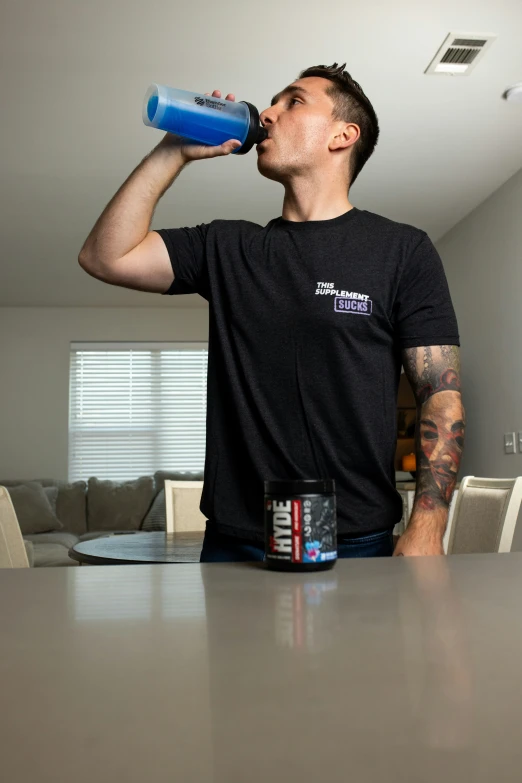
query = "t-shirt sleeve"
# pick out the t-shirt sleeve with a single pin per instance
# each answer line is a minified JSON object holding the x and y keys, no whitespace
{"x":187,"y":248}
{"x":423,"y":312}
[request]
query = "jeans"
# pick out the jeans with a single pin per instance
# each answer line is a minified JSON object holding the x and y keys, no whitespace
{"x":220,"y":548}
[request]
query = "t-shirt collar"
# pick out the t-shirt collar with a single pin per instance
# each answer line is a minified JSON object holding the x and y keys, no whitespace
{"x":306,"y":225}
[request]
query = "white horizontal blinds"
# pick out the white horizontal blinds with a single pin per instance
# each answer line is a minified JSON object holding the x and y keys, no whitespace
{"x":135,"y":410}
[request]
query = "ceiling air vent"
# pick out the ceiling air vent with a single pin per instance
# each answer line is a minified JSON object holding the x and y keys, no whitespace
{"x":460,"y":53}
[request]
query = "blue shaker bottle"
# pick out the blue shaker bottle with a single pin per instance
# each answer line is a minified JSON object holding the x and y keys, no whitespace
{"x":202,"y":118}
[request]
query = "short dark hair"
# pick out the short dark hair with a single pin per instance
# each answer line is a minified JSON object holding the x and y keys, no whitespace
{"x":350,"y":105}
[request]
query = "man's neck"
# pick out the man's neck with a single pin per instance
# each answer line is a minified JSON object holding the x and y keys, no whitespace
{"x":314,"y":206}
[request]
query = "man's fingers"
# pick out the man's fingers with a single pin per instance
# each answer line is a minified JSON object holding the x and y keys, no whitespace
{"x":217,"y":94}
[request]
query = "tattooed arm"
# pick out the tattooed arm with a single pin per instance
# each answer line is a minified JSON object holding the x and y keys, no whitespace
{"x":434,"y":375}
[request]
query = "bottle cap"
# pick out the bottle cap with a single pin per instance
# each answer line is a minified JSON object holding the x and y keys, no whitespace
{"x":256,"y":132}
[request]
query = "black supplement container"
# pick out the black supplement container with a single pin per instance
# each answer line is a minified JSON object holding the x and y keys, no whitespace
{"x":300,"y":524}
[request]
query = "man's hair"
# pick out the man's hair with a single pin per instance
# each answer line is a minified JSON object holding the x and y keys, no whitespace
{"x":350,"y":105}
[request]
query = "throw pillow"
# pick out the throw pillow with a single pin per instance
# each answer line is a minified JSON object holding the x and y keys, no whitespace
{"x":156,"y":518}
{"x":52,"y":496}
{"x":33,"y":509}
{"x":71,"y":506}
{"x":118,"y":505}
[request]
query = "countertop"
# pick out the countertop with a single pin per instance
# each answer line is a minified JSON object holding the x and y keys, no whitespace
{"x":381,"y":670}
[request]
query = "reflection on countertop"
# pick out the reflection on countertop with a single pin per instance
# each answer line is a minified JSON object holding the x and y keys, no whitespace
{"x":383,"y":669}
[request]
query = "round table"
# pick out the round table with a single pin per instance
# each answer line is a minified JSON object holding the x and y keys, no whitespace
{"x":139,"y":547}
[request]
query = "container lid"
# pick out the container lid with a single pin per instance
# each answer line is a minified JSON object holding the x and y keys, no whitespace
{"x":256,"y":132}
{"x":299,"y":486}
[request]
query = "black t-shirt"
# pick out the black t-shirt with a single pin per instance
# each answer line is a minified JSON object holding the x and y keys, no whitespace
{"x":307,"y":321}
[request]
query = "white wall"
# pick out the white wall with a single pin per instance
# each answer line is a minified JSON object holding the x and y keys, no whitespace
{"x":482,"y":257}
{"x":34,"y":374}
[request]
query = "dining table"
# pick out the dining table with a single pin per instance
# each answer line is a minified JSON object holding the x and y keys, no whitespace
{"x":380,"y":670}
{"x":125,"y":548}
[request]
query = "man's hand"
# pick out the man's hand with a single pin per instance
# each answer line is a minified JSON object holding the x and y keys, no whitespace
{"x":418,"y":542}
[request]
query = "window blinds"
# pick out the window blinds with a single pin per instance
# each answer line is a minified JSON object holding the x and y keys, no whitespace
{"x":135,"y":408}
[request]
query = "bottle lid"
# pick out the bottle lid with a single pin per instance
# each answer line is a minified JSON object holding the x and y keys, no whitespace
{"x":299,"y":486}
{"x":256,"y":132}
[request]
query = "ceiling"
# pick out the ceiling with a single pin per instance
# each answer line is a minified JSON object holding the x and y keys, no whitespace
{"x":73,"y":77}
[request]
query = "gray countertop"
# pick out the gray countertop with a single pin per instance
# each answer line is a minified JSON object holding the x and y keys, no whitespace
{"x":381,"y":670}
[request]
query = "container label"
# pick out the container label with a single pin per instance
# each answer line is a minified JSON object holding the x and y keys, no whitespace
{"x":301,"y":530}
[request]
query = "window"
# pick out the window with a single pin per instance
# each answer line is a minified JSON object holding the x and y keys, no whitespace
{"x":136,"y":408}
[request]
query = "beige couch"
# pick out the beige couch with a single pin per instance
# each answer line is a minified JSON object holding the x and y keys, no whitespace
{"x":54,"y":515}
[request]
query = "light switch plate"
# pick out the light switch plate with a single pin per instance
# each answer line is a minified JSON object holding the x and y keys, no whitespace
{"x":520,"y":442}
{"x":509,"y":443}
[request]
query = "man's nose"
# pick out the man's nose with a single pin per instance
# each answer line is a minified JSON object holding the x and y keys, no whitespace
{"x":266,"y":117}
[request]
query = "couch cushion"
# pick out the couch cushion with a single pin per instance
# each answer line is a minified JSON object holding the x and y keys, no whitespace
{"x":62,"y":537}
{"x":156,"y":517}
{"x":33,"y":510}
{"x":175,"y":475}
{"x":118,"y":505}
{"x":52,"y":555}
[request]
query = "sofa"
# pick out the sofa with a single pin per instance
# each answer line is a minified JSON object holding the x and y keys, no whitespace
{"x":54,"y":515}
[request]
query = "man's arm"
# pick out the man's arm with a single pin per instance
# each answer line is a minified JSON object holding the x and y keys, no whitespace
{"x":121,"y":250}
{"x":434,"y":375}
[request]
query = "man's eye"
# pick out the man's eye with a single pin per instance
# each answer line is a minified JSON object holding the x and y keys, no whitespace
{"x":294,"y":99}
{"x":429,"y":435}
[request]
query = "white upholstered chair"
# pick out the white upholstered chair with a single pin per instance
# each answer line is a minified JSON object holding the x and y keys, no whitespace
{"x":12,"y":548}
{"x":182,"y":500}
{"x":485,"y":516}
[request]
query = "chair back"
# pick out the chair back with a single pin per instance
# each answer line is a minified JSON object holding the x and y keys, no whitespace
{"x":485,"y":516}
{"x":182,"y":500}
{"x":12,"y":548}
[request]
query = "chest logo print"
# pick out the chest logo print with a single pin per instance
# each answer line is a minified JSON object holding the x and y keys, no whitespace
{"x":346,"y":301}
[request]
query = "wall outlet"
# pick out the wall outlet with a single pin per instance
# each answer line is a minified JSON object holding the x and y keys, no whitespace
{"x":510,"y":446}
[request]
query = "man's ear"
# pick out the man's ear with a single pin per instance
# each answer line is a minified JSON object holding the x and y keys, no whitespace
{"x":345,"y":136}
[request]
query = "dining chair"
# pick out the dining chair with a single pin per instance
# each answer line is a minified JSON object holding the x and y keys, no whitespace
{"x":182,"y":500}
{"x":485,"y":516}
{"x":12,"y":548}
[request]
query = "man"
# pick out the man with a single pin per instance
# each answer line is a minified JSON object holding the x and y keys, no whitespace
{"x":310,"y":319}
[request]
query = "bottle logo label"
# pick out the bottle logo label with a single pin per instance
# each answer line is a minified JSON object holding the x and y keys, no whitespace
{"x":209,"y":103}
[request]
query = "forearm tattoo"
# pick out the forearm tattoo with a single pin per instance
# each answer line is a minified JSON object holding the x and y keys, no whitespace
{"x":434,"y":375}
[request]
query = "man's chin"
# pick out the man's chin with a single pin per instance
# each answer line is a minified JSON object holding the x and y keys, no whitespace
{"x":267,"y":171}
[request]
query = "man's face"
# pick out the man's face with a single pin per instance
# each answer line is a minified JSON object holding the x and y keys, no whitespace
{"x":442,"y":439}
{"x":300,"y":127}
